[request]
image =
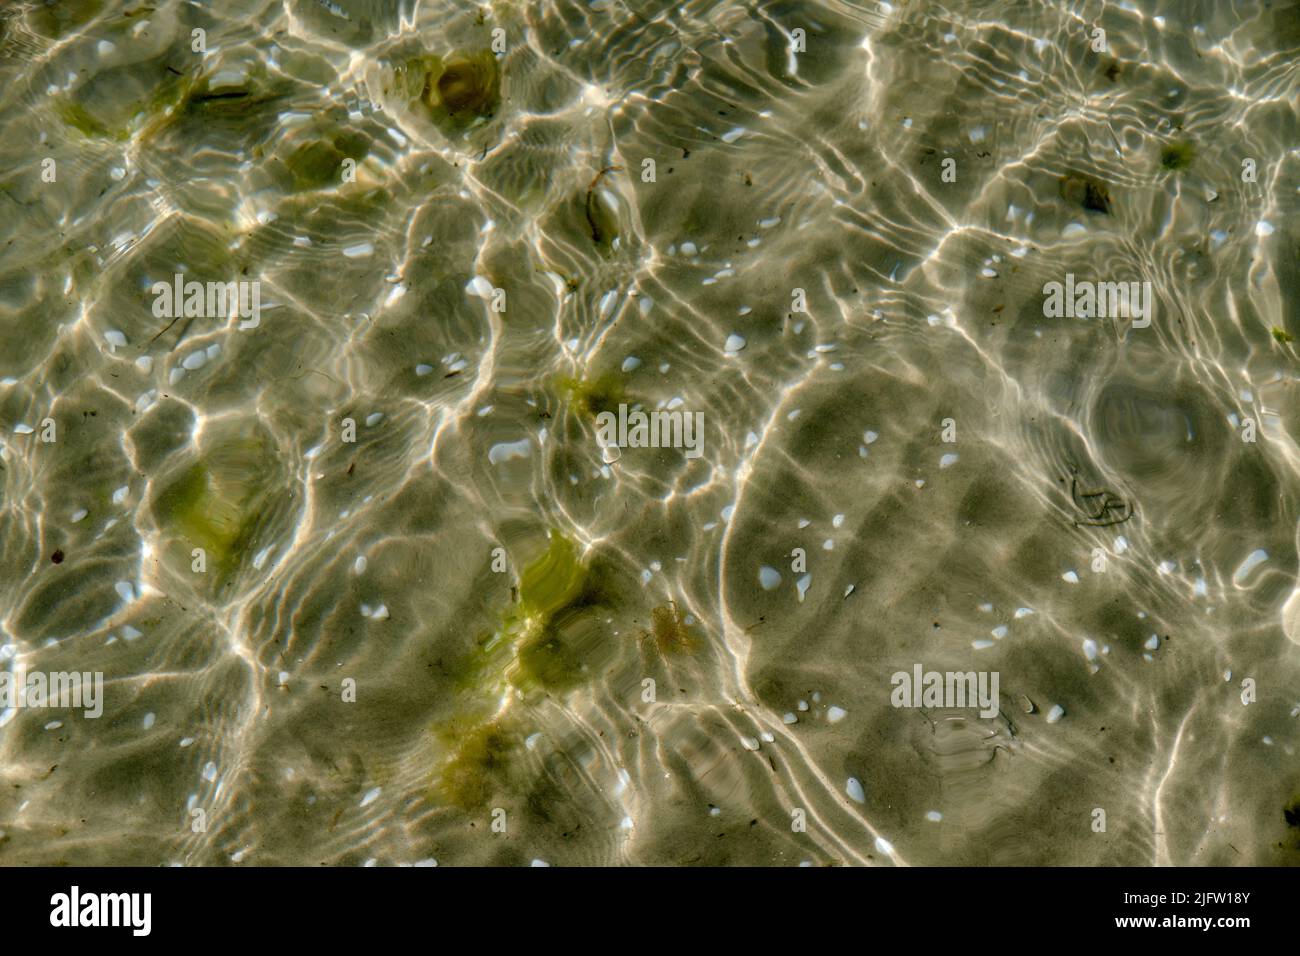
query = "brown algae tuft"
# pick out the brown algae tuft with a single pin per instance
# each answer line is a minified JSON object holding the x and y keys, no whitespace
{"x":670,"y":633}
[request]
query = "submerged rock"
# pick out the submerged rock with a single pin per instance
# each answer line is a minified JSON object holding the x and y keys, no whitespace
{"x":1086,"y":192}
{"x":464,"y":87}
{"x":316,"y":160}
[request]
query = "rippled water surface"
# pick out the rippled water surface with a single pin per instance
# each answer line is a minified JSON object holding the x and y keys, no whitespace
{"x":367,"y":580}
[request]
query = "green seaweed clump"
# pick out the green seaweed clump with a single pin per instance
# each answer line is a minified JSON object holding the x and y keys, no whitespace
{"x":552,"y":638}
{"x":553,"y":580}
{"x":590,"y":397}
{"x":1086,"y":192}
{"x":561,"y":634}
{"x":215,"y":504}
{"x":83,"y":121}
{"x":1176,"y":157}
{"x":550,"y":634}
{"x":466,"y":780}
{"x":546,"y":639}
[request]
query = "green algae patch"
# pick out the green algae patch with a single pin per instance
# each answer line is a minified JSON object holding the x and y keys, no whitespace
{"x":560,"y":656}
{"x":1176,"y":157}
{"x":480,"y":759}
{"x":549,"y":659}
{"x":567,"y":605}
{"x":316,"y":162}
{"x":75,"y":115}
{"x":553,"y":635}
{"x":552,"y":638}
{"x":553,"y":580}
{"x":215,"y":504}
{"x":1282,"y":335}
{"x":314,"y":165}
{"x":590,"y":397}
{"x":57,"y":20}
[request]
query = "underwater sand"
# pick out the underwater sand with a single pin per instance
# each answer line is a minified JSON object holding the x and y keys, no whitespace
{"x":459,"y":629}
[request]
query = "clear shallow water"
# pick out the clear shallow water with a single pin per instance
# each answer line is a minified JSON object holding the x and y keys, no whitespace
{"x":524,"y":690}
